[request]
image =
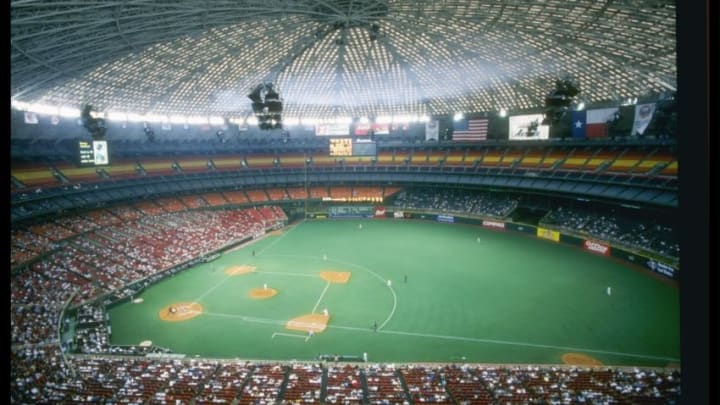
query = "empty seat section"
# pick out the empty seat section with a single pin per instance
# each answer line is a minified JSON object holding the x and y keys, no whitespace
{"x":455,"y":158}
{"x":236,"y":197}
{"x":626,"y":162}
{"x":257,"y":196}
{"x":510,"y":157}
{"x":341,"y":193}
{"x":297,"y":193}
{"x":317,"y":192}
{"x":532,"y":159}
{"x":149,"y":208}
{"x":193,"y":165}
{"x":385,"y":158}
{"x":576,"y":160}
{"x":34,"y":175}
{"x":292,"y":160}
{"x":491,"y":158}
{"x":170,"y":204}
{"x":227,"y":162}
{"x":277,"y":194}
{"x":260,"y":161}
{"x":122,"y":169}
{"x":552,"y":157}
{"x":157,"y":166}
{"x":193,"y":201}
{"x":215,"y":199}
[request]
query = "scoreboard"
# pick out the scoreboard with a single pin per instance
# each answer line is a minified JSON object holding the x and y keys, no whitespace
{"x":347,"y":147}
{"x":340,"y":147}
{"x":93,"y":153}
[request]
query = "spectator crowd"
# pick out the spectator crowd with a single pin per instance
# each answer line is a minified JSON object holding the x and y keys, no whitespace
{"x":456,"y":201}
{"x":75,"y":260}
{"x":636,"y":233}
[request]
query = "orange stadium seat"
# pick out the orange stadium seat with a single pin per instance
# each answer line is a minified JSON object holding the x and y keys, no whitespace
{"x":33,"y":175}
{"x":277,"y":194}
{"x":257,"y":196}
{"x":236,"y":197}
{"x":215,"y":199}
{"x":297,"y":193}
{"x":576,"y":160}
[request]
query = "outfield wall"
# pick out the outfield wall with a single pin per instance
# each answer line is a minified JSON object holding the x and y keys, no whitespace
{"x":594,"y":246}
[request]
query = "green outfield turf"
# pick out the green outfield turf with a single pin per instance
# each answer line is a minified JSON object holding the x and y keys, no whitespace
{"x":506,"y":298}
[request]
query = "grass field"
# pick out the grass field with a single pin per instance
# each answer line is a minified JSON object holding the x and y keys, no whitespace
{"x":506,"y":298}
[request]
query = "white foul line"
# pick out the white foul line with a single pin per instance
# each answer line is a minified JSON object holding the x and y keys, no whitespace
{"x":276,"y":240}
{"x":321,"y":297}
{"x":384,"y":281}
{"x":392,"y":312}
{"x":211,"y":289}
{"x":510,"y":343}
{"x":288,"y":335}
{"x":287,"y":273}
{"x":446,"y":337}
{"x":228,"y":277}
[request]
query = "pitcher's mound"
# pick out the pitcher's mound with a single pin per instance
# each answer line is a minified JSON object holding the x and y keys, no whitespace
{"x":181,"y":311}
{"x":261,"y":293}
{"x":313,"y":322}
{"x":238,"y":270}
{"x":580,"y":359}
{"x":340,"y":277}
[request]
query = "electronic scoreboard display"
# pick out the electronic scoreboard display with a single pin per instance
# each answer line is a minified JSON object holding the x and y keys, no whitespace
{"x":93,"y":153}
{"x":340,"y":147}
{"x":344,"y":147}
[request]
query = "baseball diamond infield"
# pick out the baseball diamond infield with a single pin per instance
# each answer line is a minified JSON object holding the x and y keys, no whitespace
{"x":180,"y":311}
{"x":409,"y":291}
{"x":262,"y":293}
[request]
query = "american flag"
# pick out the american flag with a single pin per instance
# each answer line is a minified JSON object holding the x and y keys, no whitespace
{"x":470,"y":130}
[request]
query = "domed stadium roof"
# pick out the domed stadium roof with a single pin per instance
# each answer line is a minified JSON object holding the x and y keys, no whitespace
{"x":348,"y":57}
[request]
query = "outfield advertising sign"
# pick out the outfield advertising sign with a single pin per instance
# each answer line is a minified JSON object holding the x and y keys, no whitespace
{"x":493,"y":224}
{"x":446,"y":218}
{"x":351,"y":212}
{"x":661,"y":268}
{"x":548,"y":234}
{"x":380,"y":212}
{"x":597,"y":247}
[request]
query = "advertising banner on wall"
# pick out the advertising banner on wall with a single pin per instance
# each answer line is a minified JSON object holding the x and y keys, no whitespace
{"x":332,"y":130}
{"x":446,"y":218}
{"x":351,"y":212}
{"x":597,"y":247}
{"x":661,"y":268}
{"x":380,"y":212}
{"x":529,"y":229}
{"x":493,"y":224}
{"x":548,"y":234}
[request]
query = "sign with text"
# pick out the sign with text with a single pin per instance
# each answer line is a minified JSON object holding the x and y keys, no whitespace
{"x":493,"y":224}
{"x":548,"y":234}
{"x":332,"y":130}
{"x":597,"y":247}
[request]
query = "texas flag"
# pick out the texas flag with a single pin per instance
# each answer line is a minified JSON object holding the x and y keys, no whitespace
{"x":578,"y":123}
{"x":598,"y":121}
{"x":592,"y":123}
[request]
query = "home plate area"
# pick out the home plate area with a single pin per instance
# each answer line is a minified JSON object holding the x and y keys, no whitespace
{"x":310,"y":324}
{"x":306,"y":323}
